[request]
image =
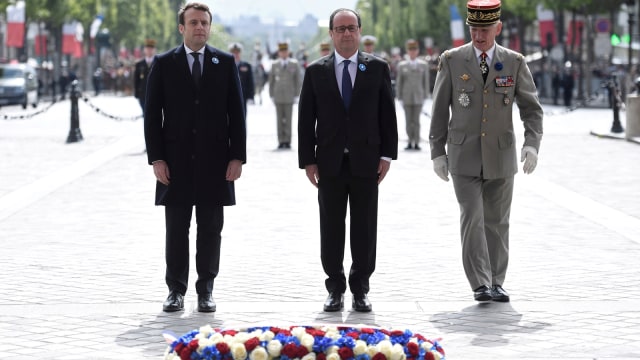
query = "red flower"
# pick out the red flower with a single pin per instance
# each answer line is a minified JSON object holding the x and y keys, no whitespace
{"x":345,"y":353}
{"x":229,"y":332}
{"x":290,"y":350}
{"x":384,"y":331}
{"x":315,"y":332}
{"x":397,"y":333}
{"x":301,"y":351}
{"x":321,"y":356}
{"x":420,"y":337}
{"x":413,"y":349}
{"x":179,"y":348}
{"x":354,"y":334}
{"x":367,"y":331}
{"x":222,"y":347}
{"x":379,"y":356}
{"x":251,"y":343}
{"x":193,"y":344}
{"x":429,"y":356}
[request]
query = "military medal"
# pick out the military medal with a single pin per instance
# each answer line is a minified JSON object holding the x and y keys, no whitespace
{"x":506,"y":99}
{"x":464,"y":100}
{"x":465,"y":77}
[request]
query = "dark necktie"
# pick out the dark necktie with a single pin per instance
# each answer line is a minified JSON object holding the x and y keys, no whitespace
{"x":346,"y":84}
{"x":483,"y":66}
{"x":196,"y":71}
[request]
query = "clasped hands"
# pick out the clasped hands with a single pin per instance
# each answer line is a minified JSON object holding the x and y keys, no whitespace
{"x":529,"y":156}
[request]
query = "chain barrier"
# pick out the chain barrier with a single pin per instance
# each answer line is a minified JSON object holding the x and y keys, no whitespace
{"x":28,"y":116}
{"x":104,"y":113}
{"x":86,"y":101}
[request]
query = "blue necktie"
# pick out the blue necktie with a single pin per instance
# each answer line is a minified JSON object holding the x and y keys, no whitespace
{"x":346,"y":84}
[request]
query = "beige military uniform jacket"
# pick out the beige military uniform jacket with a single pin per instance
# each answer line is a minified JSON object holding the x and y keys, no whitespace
{"x":478,"y":132}
{"x":285,"y":81}
{"x":412,"y":82}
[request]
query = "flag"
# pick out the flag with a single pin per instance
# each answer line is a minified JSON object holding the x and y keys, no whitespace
{"x":575,"y":32}
{"x":40,"y":44}
{"x":15,"y":25}
{"x":95,"y":26}
{"x":72,"y":34}
{"x":457,"y":28}
{"x":548,"y":34}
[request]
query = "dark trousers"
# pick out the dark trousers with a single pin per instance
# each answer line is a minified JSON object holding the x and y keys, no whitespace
{"x":209,"y":220}
{"x":362,"y":195}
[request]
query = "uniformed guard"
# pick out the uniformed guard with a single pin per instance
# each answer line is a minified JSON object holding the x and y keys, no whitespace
{"x":412,"y":89}
{"x":285,"y":81}
{"x":472,"y":137}
{"x":325,"y":49}
{"x":369,"y":44}
{"x":141,"y":71}
{"x":246,"y":74}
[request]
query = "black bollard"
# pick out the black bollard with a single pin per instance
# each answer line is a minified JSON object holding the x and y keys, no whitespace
{"x":614,"y":91}
{"x":75,"y":134}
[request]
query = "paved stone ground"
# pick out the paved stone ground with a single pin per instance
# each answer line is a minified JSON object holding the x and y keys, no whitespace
{"x":83,"y":249}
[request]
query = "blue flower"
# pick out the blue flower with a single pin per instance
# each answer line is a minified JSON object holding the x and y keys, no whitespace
{"x":498,"y":66}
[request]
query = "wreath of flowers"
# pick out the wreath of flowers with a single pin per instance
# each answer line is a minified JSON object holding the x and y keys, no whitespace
{"x":303,"y":342}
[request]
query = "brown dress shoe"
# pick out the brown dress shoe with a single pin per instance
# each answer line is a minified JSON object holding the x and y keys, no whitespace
{"x":206,"y":303}
{"x":361,"y":303}
{"x":334,"y":302}
{"x":174,"y":302}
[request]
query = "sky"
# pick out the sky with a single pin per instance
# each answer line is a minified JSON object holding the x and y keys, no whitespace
{"x":291,"y":10}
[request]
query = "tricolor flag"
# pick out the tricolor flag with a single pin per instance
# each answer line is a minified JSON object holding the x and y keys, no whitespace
{"x":95,"y":26}
{"x":15,"y":25}
{"x":72,"y":34}
{"x":457,"y":28}
{"x":548,"y":36}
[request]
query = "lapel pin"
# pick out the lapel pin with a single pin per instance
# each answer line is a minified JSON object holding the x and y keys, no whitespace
{"x":215,"y":60}
{"x":498,"y":66}
{"x":362,"y":67}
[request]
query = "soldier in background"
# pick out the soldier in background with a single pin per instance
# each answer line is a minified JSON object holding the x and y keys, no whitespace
{"x":246,"y":75}
{"x":412,"y":86}
{"x":284,"y":88}
{"x":141,"y":72}
{"x":325,"y":49}
{"x":369,"y":44}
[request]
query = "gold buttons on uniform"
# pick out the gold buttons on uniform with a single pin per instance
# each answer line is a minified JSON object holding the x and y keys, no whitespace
{"x":484,"y":119}
{"x":483,"y":134}
{"x":485,"y":106}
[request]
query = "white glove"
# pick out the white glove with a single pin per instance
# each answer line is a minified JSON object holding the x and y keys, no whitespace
{"x":441,"y":167}
{"x":530,"y":158}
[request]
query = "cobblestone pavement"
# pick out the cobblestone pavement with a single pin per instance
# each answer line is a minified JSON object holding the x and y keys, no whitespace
{"x":83,"y":246}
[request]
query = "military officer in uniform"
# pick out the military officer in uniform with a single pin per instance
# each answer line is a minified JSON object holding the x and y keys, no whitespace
{"x":412,"y":89}
{"x":285,"y":80}
{"x":142,"y":70}
{"x":472,"y":138}
{"x":369,"y":44}
{"x":325,"y":49}
{"x":246,"y":75}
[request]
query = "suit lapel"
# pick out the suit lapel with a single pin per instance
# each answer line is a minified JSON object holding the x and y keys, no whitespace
{"x":472,"y":65}
{"x":363,"y":63}
{"x":182,"y":65}
{"x":331,"y":75}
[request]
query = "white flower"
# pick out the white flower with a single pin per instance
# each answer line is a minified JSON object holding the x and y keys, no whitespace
{"x":333,"y":356}
{"x":298,"y":332}
{"x":372,"y":350}
{"x":360,"y":348}
{"x":259,"y":353}
{"x":242,"y":337}
{"x":332,"y":350}
{"x":274,"y":347}
{"x":307,"y":341}
{"x":397,"y":353}
{"x":204,"y":343}
{"x":385,"y":347}
{"x":216,"y":338}
{"x":238,"y":351}
{"x":267,"y":336}
{"x":309,"y":356}
{"x":206,"y":330}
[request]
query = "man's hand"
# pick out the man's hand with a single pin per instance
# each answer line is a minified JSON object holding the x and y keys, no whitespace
{"x":383,"y":169}
{"x":234,"y":170}
{"x":530,"y":158}
{"x":441,"y":167}
{"x":312,"y":174}
{"x":161,"y":171}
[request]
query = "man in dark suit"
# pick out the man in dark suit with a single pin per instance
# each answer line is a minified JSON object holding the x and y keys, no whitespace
{"x":141,"y":72}
{"x":347,"y":137}
{"x":246,"y":74}
{"x":196,"y":142}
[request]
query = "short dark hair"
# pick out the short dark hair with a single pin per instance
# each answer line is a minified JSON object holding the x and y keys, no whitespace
{"x":194,"y":5}
{"x":335,"y":12}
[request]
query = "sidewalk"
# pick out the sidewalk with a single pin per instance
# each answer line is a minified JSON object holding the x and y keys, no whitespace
{"x":83,"y":245}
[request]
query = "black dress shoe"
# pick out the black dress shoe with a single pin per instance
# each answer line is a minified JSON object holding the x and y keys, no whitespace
{"x":417,"y":147}
{"x":174,"y":302}
{"x":499,"y":294}
{"x":206,"y":303}
{"x":409,"y":147}
{"x":483,"y":293}
{"x":334,"y":302}
{"x":287,"y":145}
{"x":361,"y":303}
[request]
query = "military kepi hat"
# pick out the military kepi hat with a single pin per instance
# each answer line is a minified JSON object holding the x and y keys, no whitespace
{"x":150,"y":43}
{"x":483,"y":12}
{"x":412,"y":44}
{"x":235,"y":47}
{"x":325,"y":46}
{"x":283,"y":46}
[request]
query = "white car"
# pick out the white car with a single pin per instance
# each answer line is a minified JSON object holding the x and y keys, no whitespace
{"x":18,"y":85}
